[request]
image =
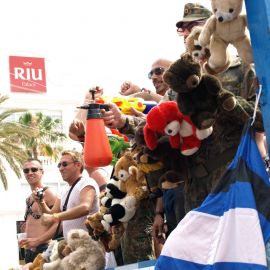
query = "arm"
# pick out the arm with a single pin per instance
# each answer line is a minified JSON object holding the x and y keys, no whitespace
{"x":46,"y":210}
{"x":158,"y":225}
{"x":115,"y":119}
{"x":148,"y":96}
{"x":87,"y":196}
{"x":76,"y":129}
{"x":128,"y":88}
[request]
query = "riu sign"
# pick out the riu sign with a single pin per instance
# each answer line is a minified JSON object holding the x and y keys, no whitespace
{"x":27,"y":74}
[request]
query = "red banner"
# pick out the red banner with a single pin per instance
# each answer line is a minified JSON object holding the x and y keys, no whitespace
{"x":27,"y":74}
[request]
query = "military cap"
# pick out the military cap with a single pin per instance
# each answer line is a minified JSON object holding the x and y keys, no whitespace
{"x":194,"y":12}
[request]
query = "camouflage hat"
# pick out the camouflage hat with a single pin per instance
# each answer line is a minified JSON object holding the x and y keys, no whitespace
{"x":194,"y":12}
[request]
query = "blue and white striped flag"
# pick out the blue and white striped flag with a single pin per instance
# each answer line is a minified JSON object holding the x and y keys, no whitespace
{"x":230,"y":229}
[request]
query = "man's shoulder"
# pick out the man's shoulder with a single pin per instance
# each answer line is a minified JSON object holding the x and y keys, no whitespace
{"x":88,"y":181}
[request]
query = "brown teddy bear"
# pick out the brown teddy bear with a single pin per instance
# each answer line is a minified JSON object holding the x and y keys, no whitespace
{"x":199,"y":96}
{"x":203,"y":98}
{"x":225,"y":27}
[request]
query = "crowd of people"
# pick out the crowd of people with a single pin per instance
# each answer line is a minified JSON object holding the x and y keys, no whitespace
{"x":147,"y":231}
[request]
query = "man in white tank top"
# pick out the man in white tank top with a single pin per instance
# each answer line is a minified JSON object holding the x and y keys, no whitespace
{"x":78,"y":200}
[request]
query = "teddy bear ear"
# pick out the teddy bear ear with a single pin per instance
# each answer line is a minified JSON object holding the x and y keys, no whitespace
{"x":187,"y":57}
{"x":150,"y":137}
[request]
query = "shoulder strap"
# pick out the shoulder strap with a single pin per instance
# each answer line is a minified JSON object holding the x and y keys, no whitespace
{"x":66,"y":201}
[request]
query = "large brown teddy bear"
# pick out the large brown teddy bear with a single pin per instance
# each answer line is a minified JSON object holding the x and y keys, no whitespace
{"x":199,"y":96}
{"x":225,"y":27}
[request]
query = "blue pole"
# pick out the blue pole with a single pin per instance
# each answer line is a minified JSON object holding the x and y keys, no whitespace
{"x":258,"y":15}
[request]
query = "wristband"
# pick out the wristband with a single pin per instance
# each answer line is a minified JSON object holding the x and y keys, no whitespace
{"x":145,"y":90}
{"x":56,"y":217}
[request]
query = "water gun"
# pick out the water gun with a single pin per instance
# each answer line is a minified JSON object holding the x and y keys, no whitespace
{"x":125,"y":103}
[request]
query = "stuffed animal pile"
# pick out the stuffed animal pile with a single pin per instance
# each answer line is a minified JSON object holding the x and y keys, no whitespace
{"x":226,"y":26}
{"x":119,"y":203}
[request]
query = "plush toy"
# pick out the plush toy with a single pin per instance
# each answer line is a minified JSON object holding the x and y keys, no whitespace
{"x":225,"y":27}
{"x":149,"y":169}
{"x":173,"y":161}
{"x":166,"y":119}
{"x":96,"y":230}
{"x":37,"y":263}
{"x":86,"y":253}
{"x":199,"y":96}
{"x":118,"y":144}
{"x":193,"y":46}
{"x":59,"y":251}
{"x":122,"y":194}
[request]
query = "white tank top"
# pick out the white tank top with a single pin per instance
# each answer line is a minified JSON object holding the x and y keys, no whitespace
{"x":74,"y":200}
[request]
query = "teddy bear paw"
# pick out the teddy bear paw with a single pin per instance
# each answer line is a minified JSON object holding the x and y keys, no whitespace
{"x":229,"y":104}
{"x":207,"y":123}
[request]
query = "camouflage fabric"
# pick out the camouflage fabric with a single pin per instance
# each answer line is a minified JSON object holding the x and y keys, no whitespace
{"x":194,"y":12}
{"x":239,"y":79}
{"x":137,"y":242}
{"x":131,"y":123}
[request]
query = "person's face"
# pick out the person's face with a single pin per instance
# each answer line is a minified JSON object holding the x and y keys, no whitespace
{"x":156,"y":75}
{"x":186,"y":28}
{"x":68,"y":168}
{"x":33,"y":172}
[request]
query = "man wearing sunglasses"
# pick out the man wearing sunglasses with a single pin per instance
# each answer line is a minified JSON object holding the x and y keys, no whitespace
{"x":155,"y":75}
{"x":194,"y":14}
{"x":38,"y":234}
{"x":79,"y":199}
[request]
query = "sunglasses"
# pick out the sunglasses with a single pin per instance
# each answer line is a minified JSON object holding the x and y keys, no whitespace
{"x":157,"y":71}
{"x":64,"y":163}
{"x":189,"y":25}
{"x":27,"y":170}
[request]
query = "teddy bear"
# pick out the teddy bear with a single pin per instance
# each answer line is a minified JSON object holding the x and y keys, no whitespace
{"x":226,"y":26}
{"x":201,"y":96}
{"x":193,"y":46}
{"x":166,"y":119}
{"x":149,"y":169}
{"x":59,"y":251}
{"x":97,"y":231}
{"x":173,"y":161}
{"x":85,"y":254}
{"x":37,"y":263}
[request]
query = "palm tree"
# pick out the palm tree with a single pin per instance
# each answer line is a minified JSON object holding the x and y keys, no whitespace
{"x":44,"y":143}
{"x":12,"y":153}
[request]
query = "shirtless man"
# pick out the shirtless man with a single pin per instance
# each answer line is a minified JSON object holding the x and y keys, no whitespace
{"x":38,"y":234}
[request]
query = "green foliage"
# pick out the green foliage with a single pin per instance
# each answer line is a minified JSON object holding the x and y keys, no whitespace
{"x":47,"y":135}
{"x":12,"y":153}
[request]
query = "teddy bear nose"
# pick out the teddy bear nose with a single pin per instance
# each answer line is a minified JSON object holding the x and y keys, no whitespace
{"x":220,"y":19}
{"x":169,"y":131}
